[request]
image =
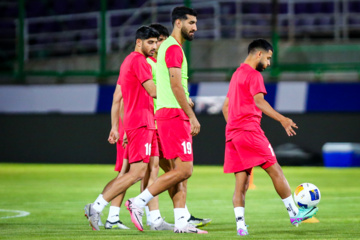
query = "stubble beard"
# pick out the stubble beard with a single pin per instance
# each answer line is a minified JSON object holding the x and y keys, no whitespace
{"x":186,"y":35}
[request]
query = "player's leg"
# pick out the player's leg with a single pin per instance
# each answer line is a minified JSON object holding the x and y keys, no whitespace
{"x":122,"y":166}
{"x":277,"y":176}
{"x":120,"y":185}
{"x":139,"y":151}
{"x":152,"y":173}
{"x":181,"y":172}
{"x":154,"y":219}
{"x":235,"y":163}
{"x":168,"y":165}
{"x":241,"y":187}
{"x":283,"y":189}
{"x":144,"y":184}
{"x":113,"y":221}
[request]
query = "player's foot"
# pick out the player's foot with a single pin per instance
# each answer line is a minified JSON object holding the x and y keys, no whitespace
{"x":242,"y":232}
{"x":199,"y":222}
{"x":115,"y":225}
{"x":93,"y":216}
{"x":303,"y":214}
{"x":136,"y":214}
{"x":100,"y":223}
{"x":87,"y":215}
{"x":189,"y":228}
{"x":161,"y":226}
{"x":148,"y":223}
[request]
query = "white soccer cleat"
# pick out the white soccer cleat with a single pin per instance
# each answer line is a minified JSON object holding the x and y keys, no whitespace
{"x":115,"y":225}
{"x":161,"y":226}
{"x":189,"y":228}
{"x":93,"y":216}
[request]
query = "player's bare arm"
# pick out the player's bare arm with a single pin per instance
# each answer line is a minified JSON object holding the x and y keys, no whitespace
{"x":265,"y":107}
{"x":115,"y":114}
{"x":150,"y":88}
{"x":225,"y":108}
{"x":179,"y":93}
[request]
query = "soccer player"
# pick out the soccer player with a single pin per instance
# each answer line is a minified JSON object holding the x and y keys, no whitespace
{"x":246,"y":145}
{"x":137,"y":92}
{"x":154,"y":217}
{"x":173,"y":109}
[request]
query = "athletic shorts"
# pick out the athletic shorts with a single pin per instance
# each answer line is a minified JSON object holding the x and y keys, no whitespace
{"x":142,"y":144}
{"x":121,"y":154}
{"x":161,"y":154}
{"x":247,"y":150}
{"x":175,"y":138}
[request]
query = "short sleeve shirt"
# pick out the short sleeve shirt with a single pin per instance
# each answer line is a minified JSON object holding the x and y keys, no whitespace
{"x":138,"y":104}
{"x":243,"y":114}
{"x":174,"y":56}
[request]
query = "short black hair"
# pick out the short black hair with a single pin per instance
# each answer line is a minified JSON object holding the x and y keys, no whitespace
{"x":181,"y":12}
{"x":260,"y":43}
{"x":145,"y":32}
{"x":160,"y":28}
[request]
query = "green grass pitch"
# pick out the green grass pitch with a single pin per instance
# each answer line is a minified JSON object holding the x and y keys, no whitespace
{"x":55,"y":196}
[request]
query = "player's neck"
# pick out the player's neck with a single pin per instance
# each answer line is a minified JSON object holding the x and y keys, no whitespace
{"x":178,"y":37}
{"x":139,"y":51}
{"x":249,"y":61}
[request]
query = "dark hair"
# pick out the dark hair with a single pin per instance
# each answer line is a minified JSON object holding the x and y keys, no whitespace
{"x":260,"y":43}
{"x":160,"y":28}
{"x":181,"y":12}
{"x":145,"y":32}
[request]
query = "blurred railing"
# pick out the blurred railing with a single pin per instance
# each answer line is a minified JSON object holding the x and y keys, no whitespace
{"x":111,"y":31}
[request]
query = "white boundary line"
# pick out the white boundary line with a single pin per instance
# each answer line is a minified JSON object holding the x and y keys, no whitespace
{"x":20,"y":213}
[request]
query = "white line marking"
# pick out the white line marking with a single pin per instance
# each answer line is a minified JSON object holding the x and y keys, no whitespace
{"x":19,"y":213}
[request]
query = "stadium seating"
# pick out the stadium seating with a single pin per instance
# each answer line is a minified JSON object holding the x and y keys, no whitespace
{"x":309,"y":19}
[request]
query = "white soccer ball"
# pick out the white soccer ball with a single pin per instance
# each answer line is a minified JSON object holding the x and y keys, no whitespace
{"x":307,"y":195}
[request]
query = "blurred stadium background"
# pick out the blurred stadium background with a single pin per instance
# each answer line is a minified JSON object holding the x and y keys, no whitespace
{"x":60,"y":61}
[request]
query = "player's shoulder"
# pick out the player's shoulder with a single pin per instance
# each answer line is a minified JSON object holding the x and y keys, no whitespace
{"x":151,"y":60}
{"x":138,"y":57}
{"x":175,"y":48}
{"x":253,"y":73}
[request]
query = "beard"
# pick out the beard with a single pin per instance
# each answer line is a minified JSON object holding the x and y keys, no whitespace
{"x":147,"y":53}
{"x":260,"y":67}
{"x":186,"y":35}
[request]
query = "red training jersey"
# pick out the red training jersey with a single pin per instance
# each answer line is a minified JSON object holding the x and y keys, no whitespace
{"x":243,"y":114}
{"x":138,"y":104}
{"x":174,"y":56}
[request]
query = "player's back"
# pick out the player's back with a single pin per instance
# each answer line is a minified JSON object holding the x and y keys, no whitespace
{"x":243,"y":114}
{"x":138,"y":104}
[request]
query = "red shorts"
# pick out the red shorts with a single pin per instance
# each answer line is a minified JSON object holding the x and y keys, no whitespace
{"x":142,"y":144}
{"x":175,"y":138}
{"x":161,"y":154}
{"x":121,"y":154}
{"x":247,"y":150}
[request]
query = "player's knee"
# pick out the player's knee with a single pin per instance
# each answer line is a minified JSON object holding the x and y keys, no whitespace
{"x":187,"y":173}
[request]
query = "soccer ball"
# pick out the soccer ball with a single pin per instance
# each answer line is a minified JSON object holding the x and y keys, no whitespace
{"x":307,"y":195}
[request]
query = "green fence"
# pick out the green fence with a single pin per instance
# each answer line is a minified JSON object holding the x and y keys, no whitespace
{"x":296,"y":58}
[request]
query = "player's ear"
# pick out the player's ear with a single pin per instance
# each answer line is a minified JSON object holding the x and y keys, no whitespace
{"x":138,"y":42}
{"x":259,"y":54}
{"x":178,"y":23}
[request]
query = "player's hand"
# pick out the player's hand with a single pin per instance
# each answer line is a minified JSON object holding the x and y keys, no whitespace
{"x":195,"y":126}
{"x":113,"y":136}
{"x":125,"y":140}
{"x":191,"y":103}
{"x":288,"y":125}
